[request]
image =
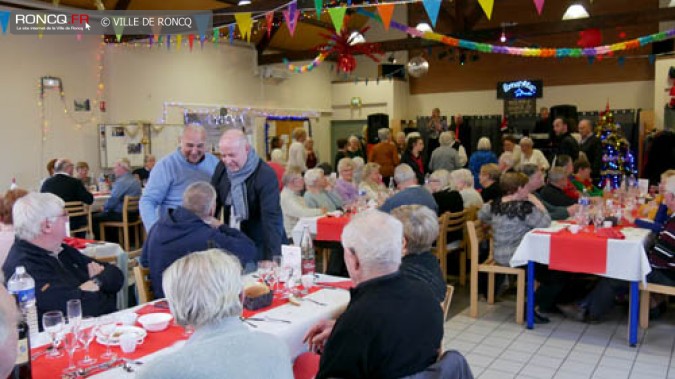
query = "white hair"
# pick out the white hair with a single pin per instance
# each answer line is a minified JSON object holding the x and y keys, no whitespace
{"x":377,"y":240}
{"x":526,"y":141}
{"x":200,"y":198}
{"x":446,"y":138}
{"x":420,"y":227}
{"x":463,"y":176}
{"x":312,"y":175}
{"x":506,"y":160}
{"x":484,"y":144}
{"x":290,"y":174}
{"x":411,"y":135}
{"x":442,"y":176}
{"x":203,"y":287}
{"x":277,"y":156}
{"x":31,"y":210}
{"x":344,"y":162}
{"x":124,"y":163}
{"x":670,"y":185}
{"x":383,"y":134}
{"x":403,"y":173}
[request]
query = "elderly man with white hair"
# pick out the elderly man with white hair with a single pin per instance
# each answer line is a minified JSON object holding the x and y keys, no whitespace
{"x":445,"y":156}
{"x":9,"y":317}
{"x":409,"y":191}
{"x":463,"y":181}
{"x":126,"y":184}
{"x":393,"y":326}
{"x":316,"y":195}
{"x":61,"y":272}
{"x":173,"y":173}
{"x":203,"y":290}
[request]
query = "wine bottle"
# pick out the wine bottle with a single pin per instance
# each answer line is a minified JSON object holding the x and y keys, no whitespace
{"x":22,"y":366}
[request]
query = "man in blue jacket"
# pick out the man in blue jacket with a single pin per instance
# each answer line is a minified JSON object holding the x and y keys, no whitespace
{"x":248,"y":192}
{"x":189,"y":228}
{"x":61,"y":272}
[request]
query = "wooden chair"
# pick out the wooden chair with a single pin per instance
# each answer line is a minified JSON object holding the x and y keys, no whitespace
{"x":143,"y":284}
{"x":645,"y":291}
{"x":447,"y":301}
{"x":491,"y":268}
{"x":79,"y":209}
{"x":449,"y":223}
{"x":130,"y":206}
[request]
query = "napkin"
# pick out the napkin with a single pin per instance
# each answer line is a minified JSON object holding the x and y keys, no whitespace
{"x":78,"y":243}
{"x":346,"y":284}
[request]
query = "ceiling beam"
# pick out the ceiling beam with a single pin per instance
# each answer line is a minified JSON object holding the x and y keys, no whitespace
{"x":122,"y":5}
{"x":523,"y":30}
{"x":256,"y":7}
{"x":229,"y":2}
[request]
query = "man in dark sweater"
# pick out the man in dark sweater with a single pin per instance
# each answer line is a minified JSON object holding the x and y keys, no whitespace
{"x":61,"y":273}
{"x":189,"y":228}
{"x":553,"y":193}
{"x":566,"y":143}
{"x":392,"y":326}
{"x":63,"y":185}
{"x":409,"y":191}
{"x":592,"y":147}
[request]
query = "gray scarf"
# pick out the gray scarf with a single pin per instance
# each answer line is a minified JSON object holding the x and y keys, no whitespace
{"x":238,"y":198}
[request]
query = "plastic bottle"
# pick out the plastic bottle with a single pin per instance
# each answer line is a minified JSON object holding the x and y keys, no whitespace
{"x":607,"y":189}
{"x":101,"y":183}
{"x":22,"y":285}
{"x":584,"y":205}
{"x":307,"y":252}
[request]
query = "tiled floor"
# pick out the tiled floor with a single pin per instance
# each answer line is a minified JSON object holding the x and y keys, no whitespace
{"x":496,"y":347}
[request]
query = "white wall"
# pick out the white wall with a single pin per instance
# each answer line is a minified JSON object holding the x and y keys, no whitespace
{"x":591,"y":97}
{"x":25,"y":60}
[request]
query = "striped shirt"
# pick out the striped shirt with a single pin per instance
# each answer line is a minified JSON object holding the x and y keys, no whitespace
{"x":662,"y":255}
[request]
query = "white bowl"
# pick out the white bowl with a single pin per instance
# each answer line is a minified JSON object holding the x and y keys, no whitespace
{"x":155,"y":322}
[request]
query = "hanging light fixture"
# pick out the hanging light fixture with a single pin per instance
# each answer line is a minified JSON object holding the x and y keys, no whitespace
{"x":423,"y":27}
{"x":244,"y":2}
{"x":575,"y":11}
{"x":356,"y":38}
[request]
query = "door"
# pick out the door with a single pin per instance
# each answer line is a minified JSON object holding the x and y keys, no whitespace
{"x":343,"y":129}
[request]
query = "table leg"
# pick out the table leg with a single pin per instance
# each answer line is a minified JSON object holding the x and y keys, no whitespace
{"x":530,"y":295}
{"x":633,"y":313}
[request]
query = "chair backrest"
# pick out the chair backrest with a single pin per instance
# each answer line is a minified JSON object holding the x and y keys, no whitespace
{"x":130,"y":206}
{"x":76,"y":208}
{"x":143,"y":284}
{"x":455,"y":222}
{"x":442,"y":239}
{"x":477,"y":232}
{"x":447,"y":301}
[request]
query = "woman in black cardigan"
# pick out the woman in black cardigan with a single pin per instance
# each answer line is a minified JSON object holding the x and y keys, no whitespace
{"x":414,"y":158}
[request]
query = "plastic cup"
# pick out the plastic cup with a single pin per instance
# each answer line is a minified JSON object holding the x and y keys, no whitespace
{"x":128,"y":342}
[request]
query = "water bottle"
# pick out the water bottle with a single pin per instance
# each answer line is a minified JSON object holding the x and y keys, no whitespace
{"x":584,"y":205}
{"x":607,"y":189}
{"x":22,"y":285}
{"x":307,"y":252}
{"x":101,"y":183}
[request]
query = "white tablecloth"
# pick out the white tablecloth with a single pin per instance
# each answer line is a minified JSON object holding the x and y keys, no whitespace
{"x":99,"y":202}
{"x":626,"y":259}
{"x":109,"y":249}
{"x":302,"y":318}
{"x":296,"y":233}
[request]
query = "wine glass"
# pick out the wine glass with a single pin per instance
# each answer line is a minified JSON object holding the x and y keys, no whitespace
{"x":70,"y":343}
{"x":88,"y":329}
{"x":74,"y":312}
{"x":52,"y":323}
{"x":107,"y":326}
{"x":264,"y":271}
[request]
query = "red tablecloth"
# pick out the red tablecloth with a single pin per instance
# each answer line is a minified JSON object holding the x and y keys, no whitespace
{"x":330,"y":228}
{"x":581,"y":252}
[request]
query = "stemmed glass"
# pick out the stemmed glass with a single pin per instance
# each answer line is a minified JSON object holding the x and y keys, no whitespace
{"x":106,"y":327}
{"x":598,"y":218}
{"x":88,"y":329}
{"x":70,"y":343}
{"x":52,"y":323}
{"x":74,"y":312}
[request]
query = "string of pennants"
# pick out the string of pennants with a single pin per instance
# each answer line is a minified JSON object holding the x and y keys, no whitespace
{"x":291,"y":15}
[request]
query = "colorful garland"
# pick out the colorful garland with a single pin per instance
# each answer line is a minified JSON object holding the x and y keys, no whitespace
{"x":308,"y":67}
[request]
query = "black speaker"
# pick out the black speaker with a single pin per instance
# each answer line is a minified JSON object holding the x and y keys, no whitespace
{"x":376,"y":122}
{"x":662,"y":47}
{"x":390,"y":70}
{"x":566,"y":111}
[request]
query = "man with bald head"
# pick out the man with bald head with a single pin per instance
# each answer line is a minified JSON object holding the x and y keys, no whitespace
{"x":248,"y":192}
{"x":174,"y":173}
{"x":591,"y":146}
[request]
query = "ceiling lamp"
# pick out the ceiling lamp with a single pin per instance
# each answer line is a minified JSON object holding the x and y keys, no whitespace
{"x":244,"y":2}
{"x":356,"y":38}
{"x":575,"y":11}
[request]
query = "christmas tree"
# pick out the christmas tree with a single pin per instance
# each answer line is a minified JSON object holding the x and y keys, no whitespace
{"x":617,"y":160}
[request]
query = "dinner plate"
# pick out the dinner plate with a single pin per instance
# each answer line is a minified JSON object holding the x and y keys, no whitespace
{"x":114,"y":339}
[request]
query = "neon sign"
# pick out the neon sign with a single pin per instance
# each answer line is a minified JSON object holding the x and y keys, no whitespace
{"x":520,"y":89}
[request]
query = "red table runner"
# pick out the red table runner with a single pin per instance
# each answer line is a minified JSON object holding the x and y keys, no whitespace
{"x":582,"y":252}
{"x":330,"y":228}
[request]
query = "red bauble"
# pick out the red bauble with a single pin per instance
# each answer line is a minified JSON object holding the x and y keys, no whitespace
{"x":346,"y":63}
{"x":590,"y":38}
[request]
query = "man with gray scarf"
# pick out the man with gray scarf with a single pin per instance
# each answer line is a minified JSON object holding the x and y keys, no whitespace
{"x":248,"y":193}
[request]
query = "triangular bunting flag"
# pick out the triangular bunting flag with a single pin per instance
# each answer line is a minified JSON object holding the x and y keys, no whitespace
{"x":291,"y":16}
{"x":118,"y":26}
{"x":386,"y":11}
{"x":155,"y":27}
{"x":168,"y":41}
{"x":202,"y":39}
{"x":202,"y":21}
{"x":432,"y":7}
{"x":337,"y":15}
{"x":216,"y":34}
{"x":4,"y":20}
{"x":652,"y":58}
{"x":191,"y":41}
{"x":157,"y":38}
{"x":244,"y":22}
{"x":318,"y":4}
{"x":621,"y":61}
{"x":487,"y":7}
{"x":41,"y":28}
{"x":269,"y":21}
{"x":540,"y":6}
{"x":151,"y":40}
{"x":591,"y":59}
{"x":230,"y":34}
{"x":179,"y":41}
